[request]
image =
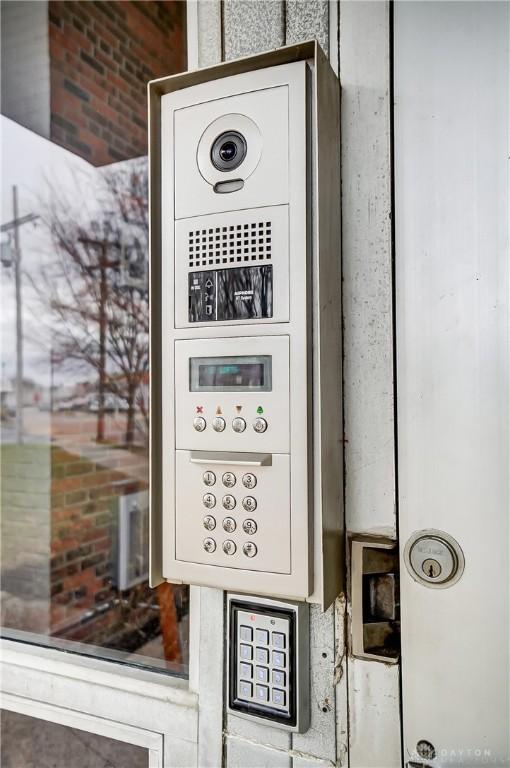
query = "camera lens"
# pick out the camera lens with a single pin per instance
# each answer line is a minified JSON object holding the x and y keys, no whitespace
{"x":228,"y":151}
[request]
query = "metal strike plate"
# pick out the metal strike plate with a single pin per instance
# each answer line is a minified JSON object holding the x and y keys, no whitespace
{"x":375,"y":601}
{"x":434,"y":558}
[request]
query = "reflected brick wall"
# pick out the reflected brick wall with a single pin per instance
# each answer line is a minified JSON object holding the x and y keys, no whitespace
{"x":101,"y":56}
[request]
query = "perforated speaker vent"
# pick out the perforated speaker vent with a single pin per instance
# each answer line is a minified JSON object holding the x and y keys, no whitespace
{"x":230,"y":244}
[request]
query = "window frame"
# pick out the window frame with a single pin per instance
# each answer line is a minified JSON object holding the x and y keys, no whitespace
{"x":105,"y":697}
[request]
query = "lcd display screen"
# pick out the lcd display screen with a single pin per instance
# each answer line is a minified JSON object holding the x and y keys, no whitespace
{"x":230,"y":374}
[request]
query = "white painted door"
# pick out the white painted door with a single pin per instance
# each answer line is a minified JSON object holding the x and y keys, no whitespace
{"x":451,"y":217}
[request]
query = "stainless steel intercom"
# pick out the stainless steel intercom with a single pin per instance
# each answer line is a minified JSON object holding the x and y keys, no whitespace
{"x":246,"y":436}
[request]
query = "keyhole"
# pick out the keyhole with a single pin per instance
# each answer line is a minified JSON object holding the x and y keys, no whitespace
{"x":431,"y":568}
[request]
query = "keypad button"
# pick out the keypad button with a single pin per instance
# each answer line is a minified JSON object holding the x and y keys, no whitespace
{"x":249,"y":503}
{"x":209,"y":500}
{"x":259,"y":424}
{"x":246,"y":652}
{"x":218,"y":424}
{"x":246,"y":670}
{"x":209,"y":478}
{"x":209,"y":523}
{"x":229,"y":479}
{"x":246,"y":633}
{"x":262,"y":693}
{"x":229,"y":547}
{"x":209,"y":545}
{"x":245,"y":689}
{"x":278,"y":640}
{"x":228,"y":501}
{"x":278,"y":677}
{"x":262,"y":674}
{"x":278,"y":659}
{"x":249,"y":480}
{"x":199,"y":423}
{"x":229,"y":524}
{"x":249,"y":527}
{"x":238,"y":424}
{"x":250,"y":549}
{"x":278,"y":697}
{"x":262,"y":636}
{"x":262,"y":655}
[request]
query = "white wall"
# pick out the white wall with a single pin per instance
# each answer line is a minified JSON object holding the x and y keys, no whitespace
{"x":26,"y":64}
{"x":452,"y":258}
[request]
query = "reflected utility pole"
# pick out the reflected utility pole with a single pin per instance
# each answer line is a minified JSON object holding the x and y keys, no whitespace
{"x":19,"y":320}
{"x":14,"y":226}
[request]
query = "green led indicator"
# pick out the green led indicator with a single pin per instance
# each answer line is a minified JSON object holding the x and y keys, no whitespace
{"x":260,"y":409}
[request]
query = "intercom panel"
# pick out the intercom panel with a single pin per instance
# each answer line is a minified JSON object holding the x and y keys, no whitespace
{"x":246,"y":465}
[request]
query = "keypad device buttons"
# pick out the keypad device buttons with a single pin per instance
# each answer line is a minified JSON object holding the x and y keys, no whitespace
{"x":262,"y":636}
{"x":278,"y":697}
{"x":278,"y":659}
{"x":262,"y":693}
{"x":278,"y":677}
{"x":209,"y":545}
{"x":249,"y":527}
{"x":245,"y":689}
{"x":246,"y":633}
{"x":199,"y":423}
{"x":229,"y":479}
{"x":238,"y":424}
{"x":218,"y":424}
{"x":229,"y":547}
{"x":278,"y":640}
{"x":249,"y":480}
{"x":209,"y":500}
{"x":249,"y":503}
{"x":262,"y":655}
{"x":249,"y":549}
{"x":229,"y":524}
{"x":262,"y":674}
{"x":246,"y":670}
{"x":209,"y":478}
{"x":259,"y":424}
{"x":209,"y":523}
{"x":228,"y":501}
{"x":246,"y":652}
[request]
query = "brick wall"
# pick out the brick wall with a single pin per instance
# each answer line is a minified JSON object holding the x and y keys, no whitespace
{"x":101,"y":56}
{"x":84,"y":507}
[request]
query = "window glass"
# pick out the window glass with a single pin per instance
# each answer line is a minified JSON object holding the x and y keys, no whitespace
{"x":74,"y":383}
{"x":34,"y":743}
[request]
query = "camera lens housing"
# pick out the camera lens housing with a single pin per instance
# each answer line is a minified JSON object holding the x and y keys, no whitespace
{"x":228,"y":151}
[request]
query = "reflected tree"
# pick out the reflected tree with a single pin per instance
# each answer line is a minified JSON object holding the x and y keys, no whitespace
{"x":96,"y":286}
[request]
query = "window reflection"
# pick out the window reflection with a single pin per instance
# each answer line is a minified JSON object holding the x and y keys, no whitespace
{"x":74,"y":325}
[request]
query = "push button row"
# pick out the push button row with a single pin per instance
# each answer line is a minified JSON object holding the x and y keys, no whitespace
{"x":261,"y":693}
{"x":262,"y":656}
{"x":229,"y":525}
{"x":229,"y":479}
{"x":262,"y":674}
{"x":262,"y":636}
{"x":230,"y":547}
{"x":249,"y":503}
{"x":238,"y":424}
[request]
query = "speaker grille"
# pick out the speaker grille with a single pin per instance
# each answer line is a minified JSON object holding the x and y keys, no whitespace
{"x":250,"y":241}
